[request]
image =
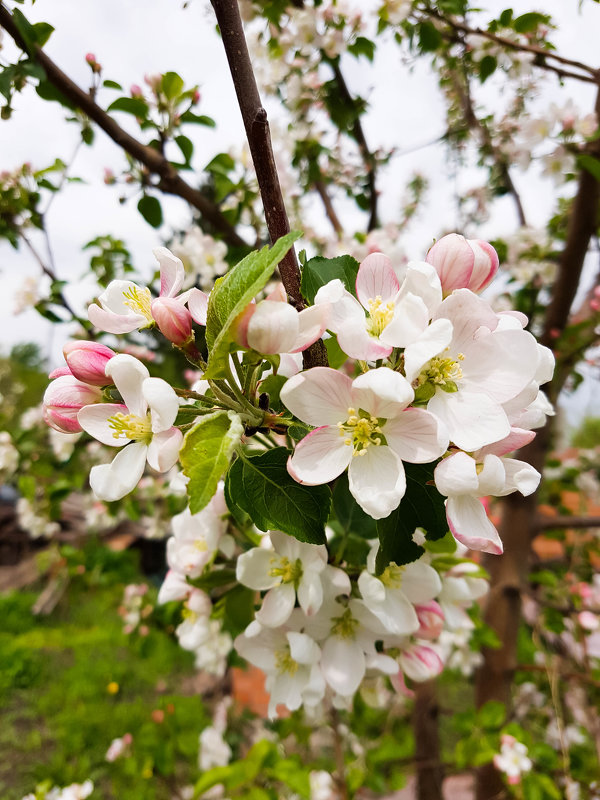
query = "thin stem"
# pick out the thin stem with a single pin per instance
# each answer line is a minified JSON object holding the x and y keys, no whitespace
{"x":549,"y":523}
{"x":188,"y":393}
{"x":259,"y":139}
{"x":328,"y":206}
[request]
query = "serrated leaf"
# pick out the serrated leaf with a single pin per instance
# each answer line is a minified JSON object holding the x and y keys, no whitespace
{"x":130,"y":105}
{"x":232,"y":293}
{"x":171,"y":85}
{"x":421,"y":507}
{"x":151,"y":210}
{"x":349,"y":514}
{"x":319,"y":271}
{"x":206,"y":453}
{"x":262,"y":486}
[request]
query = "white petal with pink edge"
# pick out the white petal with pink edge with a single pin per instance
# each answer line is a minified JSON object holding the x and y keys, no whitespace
{"x":410,"y":319}
{"x":172,"y":272}
{"x":113,"y":481}
{"x":517,"y":438}
{"x":273,"y":328}
{"x":197,"y":303}
{"x":115,"y":323}
{"x":520,"y":476}
{"x":377,"y":481}
{"x":420,"y":582}
{"x":376,"y":279}
{"x":312,"y":322}
{"x":467,"y":313}
{"x":456,"y":475}
{"x":94,"y":420}
{"x":470,"y":525}
{"x":472,"y":420}
{"x":382,"y":392}
{"x":501,"y":365}
{"x":422,"y":280}
{"x":320,"y":396}
{"x":345,"y":308}
{"x":416,"y":436}
{"x":357,"y":343}
{"x":320,"y":457}
{"x":163,"y":450}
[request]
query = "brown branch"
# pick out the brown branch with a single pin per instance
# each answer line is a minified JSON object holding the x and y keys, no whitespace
{"x":549,"y":523}
{"x":543,"y":55}
{"x":359,"y":137}
{"x":328,"y":205}
{"x":428,"y":761}
{"x":576,"y":676}
{"x":170,"y":180}
{"x":259,"y":139}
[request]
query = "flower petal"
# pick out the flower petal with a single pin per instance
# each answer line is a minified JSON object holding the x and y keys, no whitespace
{"x":310,"y":593}
{"x":457,"y":475}
{"x":163,"y":450}
{"x":501,"y":365}
{"x":277,"y":606}
{"x":113,"y":481}
{"x":344,"y":306}
{"x":470,"y":525}
{"x":520,"y":476}
{"x":420,"y":582}
{"x":422,"y":280}
{"x":356,"y":342}
{"x":197,"y":304}
{"x":410,"y":319}
{"x":313,"y":322}
{"x":128,"y":374}
{"x":473,"y":420}
{"x":172,"y":272}
{"x":382,"y":392}
{"x":114,"y":323}
{"x":273,"y":328}
{"x":320,"y":396}
{"x":376,"y":278}
{"x":416,"y":436}
{"x":467,"y":313}
{"x":343,"y":665}
{"x":320,"y":457}
{"x":377,"y":481}
{"x":163,"y":403}
{"x":94,"y":420}
{"x":432,"y":341}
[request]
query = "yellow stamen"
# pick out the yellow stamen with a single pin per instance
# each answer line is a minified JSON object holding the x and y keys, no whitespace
{"x":392,"y":575}
{"x":139,"y":300}
{"x":344,"y":626}
{"x":380,"y":315}
{"x":288,"y":571}
{"x":130,"y":426}
{"x":285,"y":663}
{"x":360,"y":431}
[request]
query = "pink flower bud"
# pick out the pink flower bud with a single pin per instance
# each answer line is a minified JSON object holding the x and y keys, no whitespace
{"x":588,"y":620}
{"x":431,"y":620}
{"x":64,"y":397}
{"x":90,"y":58}
{"x":135,"y":90}
{"x":196,"y":97}
{"x":59,"y":372}
{"x":597,"y":291}
{"x":420,"y":663}
{"x":87,"y":361}
{"x":463,"y":263}
{"x":595,"y":304}
{"x":173,"y":320}
{"x":109,"y":177}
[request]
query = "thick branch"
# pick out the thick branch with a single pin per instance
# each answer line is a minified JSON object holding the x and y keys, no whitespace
{"x":359,"y":136}
{"x":170,"y":180}
{"x":593,"y":75}
{"x":550,"y":523}
{"x":259,"y":138}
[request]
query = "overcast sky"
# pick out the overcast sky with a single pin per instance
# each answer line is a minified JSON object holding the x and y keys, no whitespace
{"x":137,"y":37}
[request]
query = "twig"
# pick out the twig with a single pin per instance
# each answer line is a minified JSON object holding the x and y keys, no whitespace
{"x":359,"y":136}
{"x":48,"y":271}
{"x":340,"y":766}
{"x":549,"y":523}
{"x":259,"y":139}
{"x":170,"y":180}
{"x":594,"y":74}
{"x":329,"y":209}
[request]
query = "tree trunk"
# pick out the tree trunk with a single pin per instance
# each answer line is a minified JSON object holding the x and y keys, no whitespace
{"x":430,"y":774}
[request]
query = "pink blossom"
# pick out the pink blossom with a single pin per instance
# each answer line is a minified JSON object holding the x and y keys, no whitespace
{"x":173,"y":320}
{"x":64,"y":398}
{"x":463,"y":263}
{"x":87,"y":361}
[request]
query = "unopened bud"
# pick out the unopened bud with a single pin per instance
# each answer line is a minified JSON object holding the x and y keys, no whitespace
{"x":463,"y":263}
{"x":431,"y":620}
{"x":420,"y":663}
{"x":173,"y":320}
{"x":136,"y":91}
{"x":64,"y":398}
{"x":87,"y":361}
{"x":91,"y":60}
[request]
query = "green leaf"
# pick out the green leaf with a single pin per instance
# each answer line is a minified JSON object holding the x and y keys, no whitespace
{"x":171,"y":85}
{"x":506,"y":17}
{"x":335,"y":354}
{"x":130,"y":105}
{"x":48,"y":92}
{"x":319,"y":271}
{"x":206,"y":453}
{"x":487,"y":66}
{"x":186,"y":147}
{"x":589,"y":163}
{"x":42,"y":32}
{"x":429,"y":37}
{"x":492,"y":715}
{"x":349,"y":514}
{"x":112,"y":85}
{"x":150,"y":209}
{"x":421,"y":507}
{"x":362,"y":47}
{"x":32,"y":35}
{"x":262,"y":486}
{"x":198,"y":119}
{"x":232,"y":293}
{"x":529,"y":22}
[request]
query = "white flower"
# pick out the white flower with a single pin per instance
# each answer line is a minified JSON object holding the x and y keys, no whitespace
{"x":296,"y":568}
{"x":9,"y":455}
{"x":144,"y":422}
{"x":512,"y":759}
{"x":196,"y":537}
{"x":214,"y":750}
{"x":364,"y":425}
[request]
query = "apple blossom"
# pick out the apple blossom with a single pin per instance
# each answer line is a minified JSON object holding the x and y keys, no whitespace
{"x":196,"y":539}
{"x":512,"y":760}
{"x":420,"y":662}
{"x":364,"y":425}
{"x":463,"y":263}
{"x":173,"y":319}
{"x":87,"y":361}
{"x":64,"y":398}
{"x":296,"y":568}
{"x":142,"y":425}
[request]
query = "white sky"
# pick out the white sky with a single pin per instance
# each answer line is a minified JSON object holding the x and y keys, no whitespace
{"x":137,"y":37}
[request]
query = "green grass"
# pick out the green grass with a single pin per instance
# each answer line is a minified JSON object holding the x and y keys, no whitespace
{"x":58,"y":716}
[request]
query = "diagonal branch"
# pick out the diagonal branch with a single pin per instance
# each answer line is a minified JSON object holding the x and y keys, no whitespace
{"x":259,"y":139}
{"x":170,"y":180}
{"x":542,"y":55}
